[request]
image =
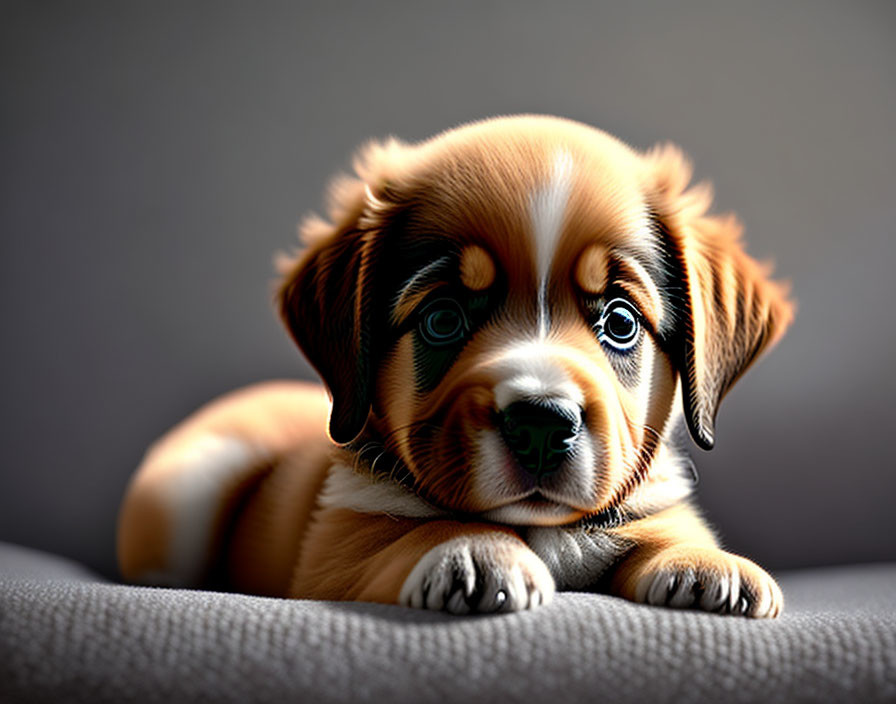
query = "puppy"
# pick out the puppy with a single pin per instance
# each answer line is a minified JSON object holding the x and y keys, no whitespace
{"x":513,"y":320}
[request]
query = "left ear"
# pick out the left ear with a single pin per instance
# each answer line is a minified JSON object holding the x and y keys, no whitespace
{"x":329,"y":296}
{"x":727,"y":309}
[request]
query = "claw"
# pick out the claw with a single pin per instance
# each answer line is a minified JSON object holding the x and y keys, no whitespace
{"x":468,"y":575}
{"x":711,"y":580}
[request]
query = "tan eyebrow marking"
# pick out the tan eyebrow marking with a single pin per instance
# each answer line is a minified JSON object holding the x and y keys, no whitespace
{"x":592,"y":275}
{"x":477,"y":270}
{"x":591,"y":269}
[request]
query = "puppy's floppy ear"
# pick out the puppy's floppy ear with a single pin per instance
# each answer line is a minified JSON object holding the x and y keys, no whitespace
{"x":726,"y":309}
{"x":328,"y":295}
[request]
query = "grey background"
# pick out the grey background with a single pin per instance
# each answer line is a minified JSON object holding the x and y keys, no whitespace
{"x":154,"y":156}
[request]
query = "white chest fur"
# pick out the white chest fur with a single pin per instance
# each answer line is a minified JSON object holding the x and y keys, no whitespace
{"x":576,"y":557}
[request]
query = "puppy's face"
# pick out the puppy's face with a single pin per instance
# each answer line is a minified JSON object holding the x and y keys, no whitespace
{"x":514,"y":309}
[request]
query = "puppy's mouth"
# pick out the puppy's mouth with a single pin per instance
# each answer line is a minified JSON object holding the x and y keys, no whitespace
{"x":514,"y":495}
{"x":533,"y":509}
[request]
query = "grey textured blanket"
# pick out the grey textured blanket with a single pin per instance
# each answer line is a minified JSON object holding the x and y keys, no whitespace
{"x":67,"y":636}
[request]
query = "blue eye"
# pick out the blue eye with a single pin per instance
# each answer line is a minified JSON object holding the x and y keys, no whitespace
{"x":442,"y":322}
{"x":619,"y":325}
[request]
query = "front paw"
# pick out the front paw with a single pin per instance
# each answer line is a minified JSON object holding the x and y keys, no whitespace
{"x":481,"y":573}
{"x":708,"y":579}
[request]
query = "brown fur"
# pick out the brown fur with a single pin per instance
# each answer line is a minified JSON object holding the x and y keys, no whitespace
{"x":276,"y":416}
{"x":463,"y":203}
{"x":360,"y":557}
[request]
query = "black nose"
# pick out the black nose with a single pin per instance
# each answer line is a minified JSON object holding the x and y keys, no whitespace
{"x":539,"y":435}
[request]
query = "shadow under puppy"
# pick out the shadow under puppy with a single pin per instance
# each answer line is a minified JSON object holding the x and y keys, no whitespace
{"x":512,"y":319}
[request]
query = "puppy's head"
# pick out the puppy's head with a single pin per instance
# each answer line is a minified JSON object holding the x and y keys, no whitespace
{"x":519,"y":310}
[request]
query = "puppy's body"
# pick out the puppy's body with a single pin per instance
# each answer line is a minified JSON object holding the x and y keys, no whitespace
{"x":512,"y":320}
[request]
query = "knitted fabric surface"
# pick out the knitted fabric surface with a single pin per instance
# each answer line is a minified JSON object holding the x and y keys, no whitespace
{"x":67,"y":635}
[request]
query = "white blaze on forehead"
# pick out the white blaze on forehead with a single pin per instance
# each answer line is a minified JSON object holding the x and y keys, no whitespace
{"x":547,"y":209}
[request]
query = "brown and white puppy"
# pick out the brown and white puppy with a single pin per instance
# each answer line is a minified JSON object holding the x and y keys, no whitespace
{"x":513,"y":320}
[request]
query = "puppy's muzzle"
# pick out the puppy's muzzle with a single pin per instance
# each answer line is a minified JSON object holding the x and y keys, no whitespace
{"x":540,"y":435}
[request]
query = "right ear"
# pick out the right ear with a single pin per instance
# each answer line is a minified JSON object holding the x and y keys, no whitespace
{"x":728,"y":310}
{"x":328,"y":295}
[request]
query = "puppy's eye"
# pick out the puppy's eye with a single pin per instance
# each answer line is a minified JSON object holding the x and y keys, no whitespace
{"x":619,"y":325}
{"x":443,"y":322}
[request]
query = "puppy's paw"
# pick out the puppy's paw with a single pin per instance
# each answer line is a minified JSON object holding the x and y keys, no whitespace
{"x":708,"y":579}
{"x":480,"y":573}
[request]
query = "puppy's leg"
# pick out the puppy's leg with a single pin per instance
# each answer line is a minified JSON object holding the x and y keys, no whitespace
{"x":676,"y":562}
{"x":192,"y":480}
{"x":172,"y":516}
{"x":437,"y":564}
